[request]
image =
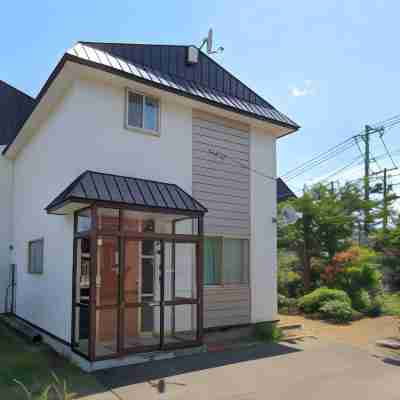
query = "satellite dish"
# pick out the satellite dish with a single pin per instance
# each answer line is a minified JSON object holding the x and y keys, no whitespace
{"x":210,"y":41}
{"x":290,"y":216}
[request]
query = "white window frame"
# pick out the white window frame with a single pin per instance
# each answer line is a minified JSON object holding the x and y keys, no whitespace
{"x":137,"y":128}
{"x":29,"y":267}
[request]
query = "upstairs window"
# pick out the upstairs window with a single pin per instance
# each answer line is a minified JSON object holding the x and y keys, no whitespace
{"x":143,"y":112}
{"x":35,"y":256}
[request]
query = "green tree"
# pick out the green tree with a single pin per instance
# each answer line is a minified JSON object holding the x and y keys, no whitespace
{"x":329,"y":219}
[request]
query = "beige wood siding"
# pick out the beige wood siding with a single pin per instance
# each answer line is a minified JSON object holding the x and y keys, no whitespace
{"x":226,"y":305}
{"x":222,"y":186}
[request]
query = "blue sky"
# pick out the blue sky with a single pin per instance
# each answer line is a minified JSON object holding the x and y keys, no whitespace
{"x":330,"y":65}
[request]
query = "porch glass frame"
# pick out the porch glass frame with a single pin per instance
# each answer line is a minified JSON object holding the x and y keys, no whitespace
{"x":121,"y":236}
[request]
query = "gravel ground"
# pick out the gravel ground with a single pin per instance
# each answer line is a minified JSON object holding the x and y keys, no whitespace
{"x":362,"y":334}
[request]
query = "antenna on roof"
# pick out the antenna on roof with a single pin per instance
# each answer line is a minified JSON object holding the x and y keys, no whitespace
{"x":209,"y":41}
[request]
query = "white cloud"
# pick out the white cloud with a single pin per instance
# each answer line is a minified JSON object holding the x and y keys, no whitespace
{"x":308,"y":89}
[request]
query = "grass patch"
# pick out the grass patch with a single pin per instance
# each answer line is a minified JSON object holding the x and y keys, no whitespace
{"x":391,"y":303}
{"x":32,"y":365}
{"x":268,"y":332}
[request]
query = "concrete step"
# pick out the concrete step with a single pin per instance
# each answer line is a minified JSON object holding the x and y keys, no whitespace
{"x":289,"y":327}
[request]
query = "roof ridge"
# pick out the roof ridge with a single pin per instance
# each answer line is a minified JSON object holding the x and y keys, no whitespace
{"x":91,"y":44}
{"x":16,"y":89}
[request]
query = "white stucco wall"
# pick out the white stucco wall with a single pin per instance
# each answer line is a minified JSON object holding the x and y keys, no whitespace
{"x":5,"y":225}
{"x":263,"y":254}
{"x":86,"y":131}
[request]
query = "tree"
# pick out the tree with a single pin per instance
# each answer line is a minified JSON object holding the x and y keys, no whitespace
{"x":329,"y":219}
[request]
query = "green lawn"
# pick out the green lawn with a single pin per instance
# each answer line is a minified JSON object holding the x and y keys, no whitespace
{"x":33,"y":364}
{"x":392,"y":303}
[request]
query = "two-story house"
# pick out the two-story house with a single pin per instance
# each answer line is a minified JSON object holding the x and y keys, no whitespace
{"x":138,"y":201}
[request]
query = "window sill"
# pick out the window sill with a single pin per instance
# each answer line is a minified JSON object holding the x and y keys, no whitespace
{"x":143,"y":131}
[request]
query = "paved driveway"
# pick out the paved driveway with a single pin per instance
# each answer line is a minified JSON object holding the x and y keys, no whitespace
{"x":322,"y":371}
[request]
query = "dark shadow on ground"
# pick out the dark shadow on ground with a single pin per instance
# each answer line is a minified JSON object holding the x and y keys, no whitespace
{"x":129,"y":375}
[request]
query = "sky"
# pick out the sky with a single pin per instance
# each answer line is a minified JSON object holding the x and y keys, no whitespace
{"x":332,"y":66}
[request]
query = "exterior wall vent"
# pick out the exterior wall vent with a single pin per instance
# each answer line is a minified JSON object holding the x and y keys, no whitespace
{"x":192,"y":55}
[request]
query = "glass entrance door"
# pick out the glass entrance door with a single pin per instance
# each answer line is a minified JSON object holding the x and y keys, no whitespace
{"x":142,"y":294}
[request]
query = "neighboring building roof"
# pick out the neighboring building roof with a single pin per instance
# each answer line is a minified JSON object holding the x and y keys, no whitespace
{"x":15,"y":106}
{"x":99,"y":187}
{"x":166,"y":66}
{"x":283,"y":191}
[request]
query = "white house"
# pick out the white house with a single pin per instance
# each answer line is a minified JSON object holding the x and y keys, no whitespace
{"x":138,"y":200}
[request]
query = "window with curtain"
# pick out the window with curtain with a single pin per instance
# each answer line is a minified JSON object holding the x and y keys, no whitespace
{"x":212,"y":261}
{"x":226,"y":261}
{"x":236,"y":261}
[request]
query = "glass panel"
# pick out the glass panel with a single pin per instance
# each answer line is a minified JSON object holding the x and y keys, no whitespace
{"x":212,"y":261}
{"x":107,"y":271}
{"x":135,"y":110}
{"x":142,"y":271}
{"x":108,"y":219}
{"x":136,"y":221}
{"x":106,"y":332}
{"x":236,"y":261}
{"x":180,"y":324}
{"x":84,"y":220}
{"x":186,"y":227}
{"x":82,"y":295}
{"x":82,"y":276}
{"x":151,"y":113}
{"x":141,"y":326}
{"x":81,"y":335}
{"x":180,"y":281}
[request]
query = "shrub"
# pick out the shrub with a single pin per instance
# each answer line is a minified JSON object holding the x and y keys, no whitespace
{"x":336,"y":311}
{"x":287,"y":305}
{"x":312,"y":302}
{"x":268,"y":332}
{"x":361,"y":300}
{"x":376,"y":307}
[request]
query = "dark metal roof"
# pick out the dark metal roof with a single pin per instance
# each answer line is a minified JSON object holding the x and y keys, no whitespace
{"x":165,"y":66}
{"x":15,"y":106}
{"x":283,"y":191}
{"x":138,"y":193}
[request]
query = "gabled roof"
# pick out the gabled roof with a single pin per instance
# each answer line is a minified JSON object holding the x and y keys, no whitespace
{"x":283,"y":191}
{"x":15,"y":106}
{"x":165,"y":66}
{"x":97,"y":187}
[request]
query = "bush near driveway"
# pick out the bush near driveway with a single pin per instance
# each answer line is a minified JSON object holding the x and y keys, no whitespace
{"x":312,"y":302}
{"x":336,"y":311}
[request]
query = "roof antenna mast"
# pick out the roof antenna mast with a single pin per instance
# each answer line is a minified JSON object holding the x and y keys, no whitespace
{"x":209,"y":41}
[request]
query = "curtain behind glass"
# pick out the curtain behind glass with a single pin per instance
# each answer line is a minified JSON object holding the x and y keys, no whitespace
{"x":212,"y":261}
{"x":236,"y":264}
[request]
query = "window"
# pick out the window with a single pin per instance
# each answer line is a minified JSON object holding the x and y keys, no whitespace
{"x":236,"y":261}
{"x":226,"y":261}
{"x":212,"y":261}
{"x":143,"y":112}
{"x":35,"y":256}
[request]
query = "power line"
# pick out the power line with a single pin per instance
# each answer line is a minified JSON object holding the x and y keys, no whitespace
{"x":387,"y":151}
{"x":319,"y":157}
{"x":318,"y":161}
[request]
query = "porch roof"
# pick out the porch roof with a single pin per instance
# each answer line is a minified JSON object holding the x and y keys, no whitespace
{"x":123,"y":192}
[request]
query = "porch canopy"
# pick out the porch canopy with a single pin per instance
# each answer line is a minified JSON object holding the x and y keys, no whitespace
{"x":124,"y":192}
{"x":137,"y":267}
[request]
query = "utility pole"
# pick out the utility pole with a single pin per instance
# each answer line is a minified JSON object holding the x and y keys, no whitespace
{"x":367,"y":161}
{"x":385,"y":192}
{"x":385,"y":201}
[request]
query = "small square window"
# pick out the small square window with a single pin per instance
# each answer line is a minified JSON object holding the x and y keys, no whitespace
{"x":143,"y":112}
{"x":35,"y":256}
